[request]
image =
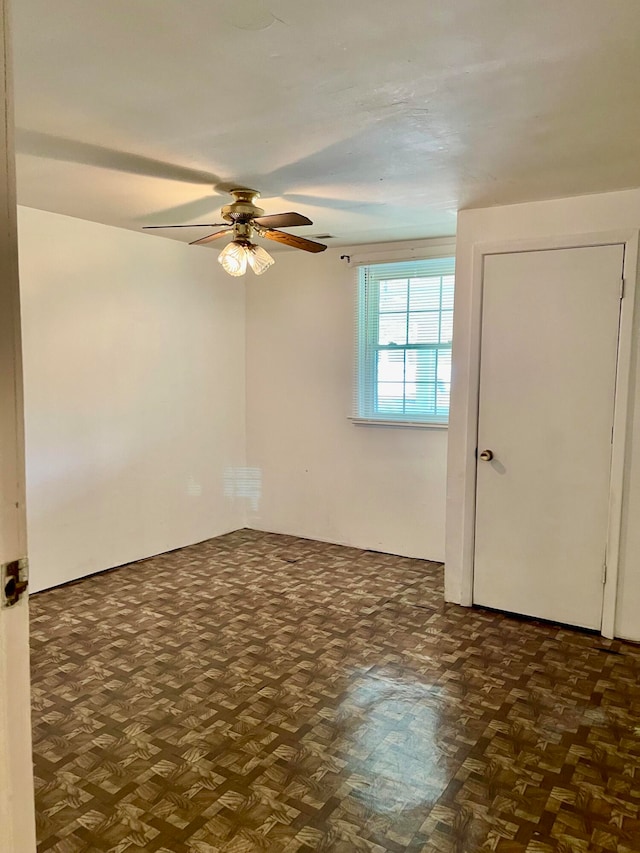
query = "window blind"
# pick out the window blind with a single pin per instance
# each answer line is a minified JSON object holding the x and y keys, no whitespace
{"x":404,"y":328}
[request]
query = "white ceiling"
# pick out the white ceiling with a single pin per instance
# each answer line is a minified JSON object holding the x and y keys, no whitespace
{"x":376,"y":119}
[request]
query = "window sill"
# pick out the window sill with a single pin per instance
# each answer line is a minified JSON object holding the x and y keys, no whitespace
{"x":380,"y":422}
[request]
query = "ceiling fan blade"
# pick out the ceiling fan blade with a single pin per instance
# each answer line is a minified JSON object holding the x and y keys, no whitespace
{"x":291,"y":240}
{"x":211,"y":237}
{"x":200,"y":225}
{"x":283,"y":220}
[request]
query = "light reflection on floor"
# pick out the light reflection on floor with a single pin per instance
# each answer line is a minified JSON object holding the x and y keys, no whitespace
{"x":396,"y":743}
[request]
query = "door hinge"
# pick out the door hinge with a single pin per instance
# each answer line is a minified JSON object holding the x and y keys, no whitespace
{"x":622,"y":289}
{"x":604,"y":572}
{"x":14,"y":580}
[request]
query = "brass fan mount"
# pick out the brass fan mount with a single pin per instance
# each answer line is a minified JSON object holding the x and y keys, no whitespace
{"x":243,"y":208}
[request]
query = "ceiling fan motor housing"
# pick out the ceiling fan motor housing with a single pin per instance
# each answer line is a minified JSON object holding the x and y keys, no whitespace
{"x":243,"y":208}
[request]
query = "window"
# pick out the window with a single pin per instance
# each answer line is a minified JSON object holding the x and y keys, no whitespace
{"x":404,"y":331}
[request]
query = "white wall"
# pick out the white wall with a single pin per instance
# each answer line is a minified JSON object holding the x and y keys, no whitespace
{"x":134,"y":395}
{"x":381,"y":488}
{"x":549,"y":219}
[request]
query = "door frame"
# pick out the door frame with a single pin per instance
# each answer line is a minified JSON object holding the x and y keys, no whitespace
{"x":17,"y":814}
{"x":629,"y":239}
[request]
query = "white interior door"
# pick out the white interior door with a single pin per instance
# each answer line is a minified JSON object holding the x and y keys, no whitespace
{"x":17,"y":824}
{"x":550,"y":322}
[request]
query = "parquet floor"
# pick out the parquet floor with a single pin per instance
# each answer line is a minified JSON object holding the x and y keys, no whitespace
{"x":267,"y":693}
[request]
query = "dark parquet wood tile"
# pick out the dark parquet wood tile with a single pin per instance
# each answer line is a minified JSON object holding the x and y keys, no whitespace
{"x":265,"y":693}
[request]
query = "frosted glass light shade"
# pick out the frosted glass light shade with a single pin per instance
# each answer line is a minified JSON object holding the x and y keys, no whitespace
{"x":235,"y":256}
{"x":234,"y":259}
{"x":259,"y":259}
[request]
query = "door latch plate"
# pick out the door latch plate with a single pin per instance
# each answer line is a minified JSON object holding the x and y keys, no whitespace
{"x":14,"y":580}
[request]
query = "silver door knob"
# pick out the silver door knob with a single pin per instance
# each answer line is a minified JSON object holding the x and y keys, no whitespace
{"x":486,"y":455}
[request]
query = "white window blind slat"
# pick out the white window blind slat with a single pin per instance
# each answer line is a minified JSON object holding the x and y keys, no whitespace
{"x":404,"y":324}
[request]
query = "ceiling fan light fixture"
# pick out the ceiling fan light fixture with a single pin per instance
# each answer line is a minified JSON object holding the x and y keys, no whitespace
{"x":234,"y":258}
{"x":238,"y":253}
{"x":259,"y":259}
{"x":243,"y":218}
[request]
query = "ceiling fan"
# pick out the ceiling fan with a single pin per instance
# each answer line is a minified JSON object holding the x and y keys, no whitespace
{"x":243,"y":218}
